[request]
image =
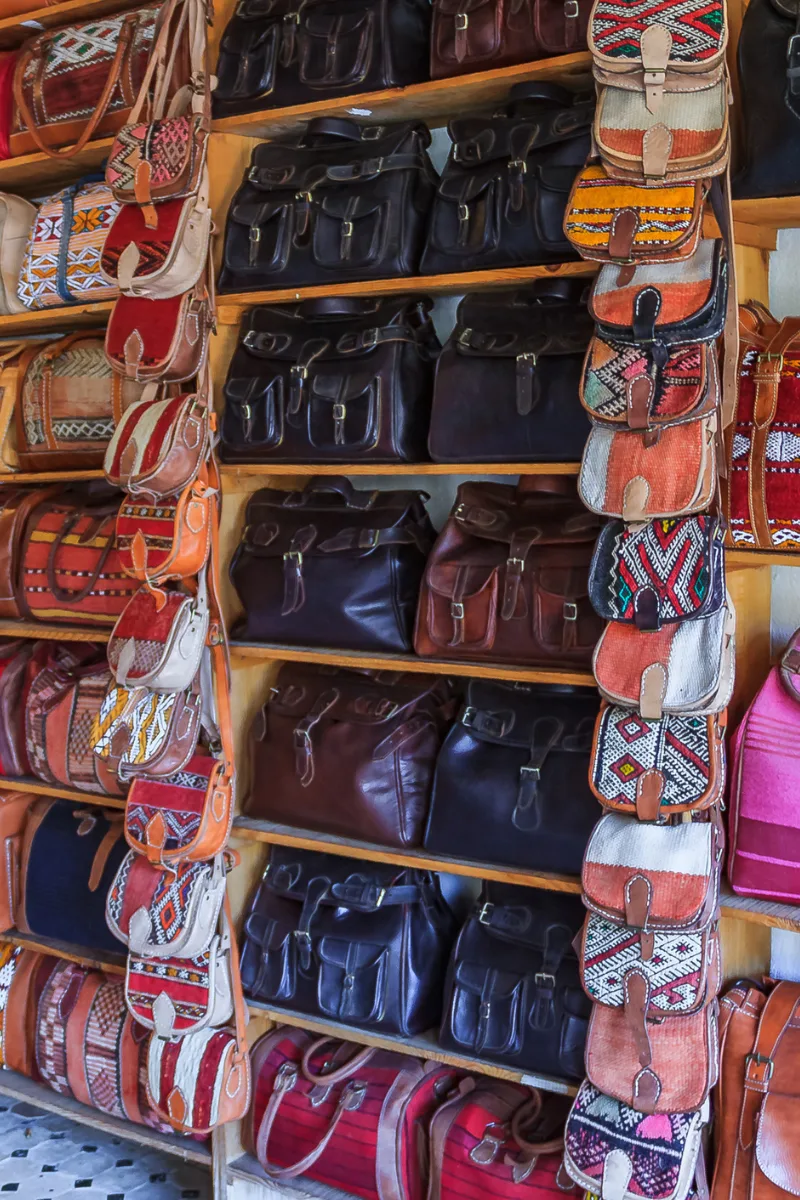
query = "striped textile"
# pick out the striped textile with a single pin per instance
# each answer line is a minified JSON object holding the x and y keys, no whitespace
{"x":180,"y":799}
{"x":668,"y":214}
{"x":684,"y":288}
{"x":142,"y":438}
{"x":196,"y":1066}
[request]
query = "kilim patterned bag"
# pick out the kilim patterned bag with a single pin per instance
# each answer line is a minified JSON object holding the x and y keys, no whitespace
{"x":69,"y":404}
{"x":681,"y":975}
{"x":175,"y":912}
{"x":57,"y":1001}
{"x":9,"y":956}
{"x":660,"y":573}
{"x":141,"y":732}
{"x":624,"y":385}
{"x":159,"y":640}
{"x":178,"y":996}
{"x":608,"y":220}
{"x":657,"y":768}
{"x":62,"y":259}
{"x":159,"y":446}
{"x":614,"y":1151}
{"x":682,"y":669}
{"x":185,"y":818}
{"x":169,"y":539}
{"x":653,"y":877}
{"x":70,"y":570}
{"x":20,"y":1019}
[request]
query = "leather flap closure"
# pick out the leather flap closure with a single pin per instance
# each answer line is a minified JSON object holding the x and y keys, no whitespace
{"x":461,"y":581}
{"x":777,"y":1146}
{"x":341,"y":388}
{"x":487,"y":982}
{"x":568,"y":583}
{"x":617,"y":1172}
{"x":257,"y":213}
{"x":339,"y":24}
{"x":449,"y":8}
{"x":350,"y":956}
{"x":268,"y":934}
{"x":463,"y":190}
{"x":347,"y":700}
{"x":342,"y":205}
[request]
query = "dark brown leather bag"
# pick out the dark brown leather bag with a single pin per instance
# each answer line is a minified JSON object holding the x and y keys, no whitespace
{"x":477,"y":35}
{"x":369,"y":738}
{"x":508,"y":577}
{"x":758,"y":1152}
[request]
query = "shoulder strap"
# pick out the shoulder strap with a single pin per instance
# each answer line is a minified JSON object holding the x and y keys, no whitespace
{"x":767,"y":378}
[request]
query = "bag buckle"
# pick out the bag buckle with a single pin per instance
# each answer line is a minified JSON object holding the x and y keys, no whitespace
{"x":544,"y":979}
{"x":761,"y":1060}
{"x":462,"y":21}
{"x":381,"y":896}
{"x":571,"y":10}
{"x":570,"y":610}
{"x":457,"y":610}
{"x":532,"y":772}
{"x":769,"y":356}
{"x":485,"y":915}
{"x":294,"y":556}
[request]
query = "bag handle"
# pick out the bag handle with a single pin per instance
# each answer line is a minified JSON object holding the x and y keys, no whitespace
{"x":115,"y":71}
{"x":192,"y":20}
{"x":527,"y":1114}
{"x":339,"y":484}
{"x":340,"y":1073}
{"x":61,"y":594}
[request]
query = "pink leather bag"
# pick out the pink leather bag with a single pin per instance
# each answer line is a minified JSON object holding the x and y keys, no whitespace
{"x":764,"y":816}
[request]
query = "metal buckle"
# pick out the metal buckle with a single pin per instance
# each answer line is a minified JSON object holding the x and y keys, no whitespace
{"x":295,"y":556}
{"x":469,"y":716}
{"x":380,"y":897}
{"x":516,"y":562}
{"x":518,"y":164}
{"x":465,"y":337}
{"x":542,"y":977}
{"x":770,"y":357}
{"x":571,"y":10}
{"x":485,"y":915}
{"x":299,"y":372}
{"x":302,"y":935}
{"x":339,"y":412}
{"x":462,"y":21}
{"x":761,"y":1060}
{"x":570,"y":611}
{"x":371,"y":133}
{"x":457,"y":610}
{"x":347,"y":229}
{"x":534,"y":772}
{"x":369,"y":339}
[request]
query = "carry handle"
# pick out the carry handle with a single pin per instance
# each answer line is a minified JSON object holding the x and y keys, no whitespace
{"x":115,"y":71}
{"x":338,"y":127}
{"x":340,"y":1073}
{"x":529,"y":1112}
{"x":334,"y":306}
{"x":339,"y":484}
{"x":351,"y":1098}
{"x":62,"y":595}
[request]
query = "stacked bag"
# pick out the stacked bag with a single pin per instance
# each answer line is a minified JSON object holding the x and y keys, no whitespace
{"x":650,"y":954}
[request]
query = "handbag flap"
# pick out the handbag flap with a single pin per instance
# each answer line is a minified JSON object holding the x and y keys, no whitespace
{"x":335,"y":24}
{"x":693,"y":34}
{"x":487,"y":982}
{"x":629,"y":221}
{"x":676,"y":971}
{"x":347,"y":955}
{"x":669,"y":141}
{"x":356,"y":699}
{"x":623,"y":383}
{"x":658,"y":295}
{"x":777,"y":1149}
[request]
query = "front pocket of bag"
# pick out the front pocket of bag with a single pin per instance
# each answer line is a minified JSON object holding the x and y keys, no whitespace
{"x":337,"y":50}
{"x":550,"y":196}
{"x":261,"y":236}
{"x":352,"y":979}
{"x":563,"y":618}
{"x":254,"y":412}
{"x":480,"y":39}
{"x":340,"y":416}
{"x":466,"y":226}
{"x":349,"y":231}
{"x":247,"y":71}
{"x":462,"y":605}
{"x":269,"y":961}
{"x":486,"y":1009}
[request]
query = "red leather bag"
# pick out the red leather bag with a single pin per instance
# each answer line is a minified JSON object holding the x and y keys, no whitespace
{"x":170,"y":539}
{"x":350,"y":1120}
{"x":161,"y":340}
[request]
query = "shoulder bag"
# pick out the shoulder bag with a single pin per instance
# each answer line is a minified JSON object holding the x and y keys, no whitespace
{"x":176,"y":997}
{"x":17,"y":504}
{"x":373,"y":739}
{"x":14,"y":808}
{"x":168,"y":538}
{"x":162,"y":341}
{"x":332,"y":565}
{"x":500,"y":201}
{"x":160,"y":912}
{"x":507,"y":379}
{"x":513,"y":993}
{"x":339,"y":379}
{"x":184,"y":817}
{"x":142,"y":732}
{"x":357,"y":942}
{"x":159,"y":639}
{"x":510,"y":781}
{"x":478,"y":35}
{"x":16,"y":221}
{"x":159,"y":446}
{"x":507,"y":579}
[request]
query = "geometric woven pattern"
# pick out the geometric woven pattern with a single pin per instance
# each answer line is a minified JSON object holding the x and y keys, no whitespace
{"x":628,"y":745}
{"x":166,"y":145}
{"x":696,"y":26}
{"x":680,"y":386}
{"x":180,"y":800}
{"x":145,"y":715}
{"x":51,"y":1027}
{"x":102,"y":1047}
{"x":671,"y":558}
{"x":674,"y":971}
{"x":186,"y":981}
{"x":667,"y":213}
{"x":94,"y":211}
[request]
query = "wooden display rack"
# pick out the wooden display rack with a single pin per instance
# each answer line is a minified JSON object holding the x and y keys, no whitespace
{"x":746,"y":924}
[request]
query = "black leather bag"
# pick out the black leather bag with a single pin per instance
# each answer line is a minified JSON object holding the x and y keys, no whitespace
{"x":504,"y":189}
{"x":507,"y":381}
{"x":276,"y":53}
{"x":332,"y":566}
{"x":337,"y":379}
{"x":339,"y":201}
{"x":511,"y":783}
{"x":513,"y":991}
{"x":357,"y":942}
{"x":769,"y":78}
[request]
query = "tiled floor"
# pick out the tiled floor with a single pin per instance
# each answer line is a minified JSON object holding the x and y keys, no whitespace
{"x":45,"y":1157}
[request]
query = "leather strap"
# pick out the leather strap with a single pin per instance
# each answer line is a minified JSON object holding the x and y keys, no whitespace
{"x":766,"y":377}
{"x":356,"y":1060}
{"x":759,"y":1063}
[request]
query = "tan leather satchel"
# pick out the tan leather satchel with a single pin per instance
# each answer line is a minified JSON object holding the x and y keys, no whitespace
{"x":13,"y":815}
{"x":16,"y":220}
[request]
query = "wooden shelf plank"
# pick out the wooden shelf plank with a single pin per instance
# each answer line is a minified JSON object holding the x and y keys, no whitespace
{"x":54,"y":633}
{"x":433,"y":102}
{"x":775,"y":212}
{"x":760,"y":912}
{"x":761,"y":558}
{"x":230,"y":305}
{"x":248,"y":1168}
{"x":423,"y":1045}
{"x":18,"y":1087}
{"x":287,"y":835}
{"x":15,"y":30}
{"x":73,"y":316}
{"x":38,"y":174}
{"x":409,"y":662}
{"x":45,"y":789}
{"x":250,"y":470}
{"x":47,"y":476}
{"x":98,"y":960}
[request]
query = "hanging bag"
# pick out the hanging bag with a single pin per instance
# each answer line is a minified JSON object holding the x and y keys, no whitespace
{"x":159,"y":639}
{"x":176,"y":997}
{"x":171,"y":538}
{"x":159,"y":446}
{"x":162,"y":341}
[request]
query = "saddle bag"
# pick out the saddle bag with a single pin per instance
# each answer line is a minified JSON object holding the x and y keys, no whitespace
{"x":160,"y":446}
{"x":142,"y":732}
{"x":168,"y":539}
{"x":185,"y":817}
{"x":176,"y":997}
{"x":161,"y":341}
{"x":158,"y":641}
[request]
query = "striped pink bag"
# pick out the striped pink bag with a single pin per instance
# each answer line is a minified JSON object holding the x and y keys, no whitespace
{"x":764,"y":818}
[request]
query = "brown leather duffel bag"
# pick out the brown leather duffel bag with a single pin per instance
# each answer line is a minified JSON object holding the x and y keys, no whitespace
{"x":758,"y":1151}
{"x":508,"y":577}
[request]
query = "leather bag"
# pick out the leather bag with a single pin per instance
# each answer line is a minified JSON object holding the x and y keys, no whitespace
{"x":510,"y":782}
{"x":31,"y":973}
{"x":8,"y":63}
{"x":159,"y":446}
{"x":14,"y":808}
{"x":762,"y":860}
{"x":507,"y":580}
{"x":657,"y":769}
{"x":770,"y":101}
{"x":332,"y":565}
{"x":375,"y":739}
{"x":16,"y":506}
{"x":80,"y":81}
{"x":19,"y":663}
{"x":276,"y":54}
{"x":69,"y":541}
{"x":683,"y":669}
{"x":676,"y":43}
{"x":9,"y":957}
{"x":763,"y":492}
{"x":158,"y":641}
{"x":69,"y":858}
{"x":161,"y":341}
{"x":158,"y":913}
{"x":513,"y":992}
{"x":16,"y":221}
{"x":70,"y":227}
{"x":339,"y":379}
{"x":504,"y":189}
{"x":170,"y":538}
{"x":613,"y":1150}
{"x":60,"y":704}
{"x":659,"y":574}
{"x":357,"y":942}
{"x":507,"y":379}
{"x":343,"y":1115}
{"x":184,"y":817}
{"x":178,"y":996}
{"x":142,"y":732}
{"x":338,"y":201}
{"x":69,"y":404}
{"x":479,"y":35}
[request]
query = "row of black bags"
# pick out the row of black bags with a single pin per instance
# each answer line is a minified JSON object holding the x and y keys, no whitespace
{"x":376,"y":947}
{"x":346,"y":201}
{"x":345,"y":379}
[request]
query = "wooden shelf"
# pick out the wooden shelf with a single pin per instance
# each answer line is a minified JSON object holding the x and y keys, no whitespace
{"x":38,"y":174}
{"x":45,"y":789}
{"x":251,"y":470}
{"x":434,"y":102}
{"x":775,"y":212}
{"x":424,"y":1045}
{"x":249,"y":1169}
{"x":409,"y":662}
{"x":48,"y":476}
{"x":760,"y":912}
{"x":761,"y":558}
{"x":231,"y":304}
{"x":98,"y":960}
{"x":16,"y":30}
{"x":18,"y":1087}
{"x":53,"y":633}
{"x":73,"y":316}
{"x":287,"y":835}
